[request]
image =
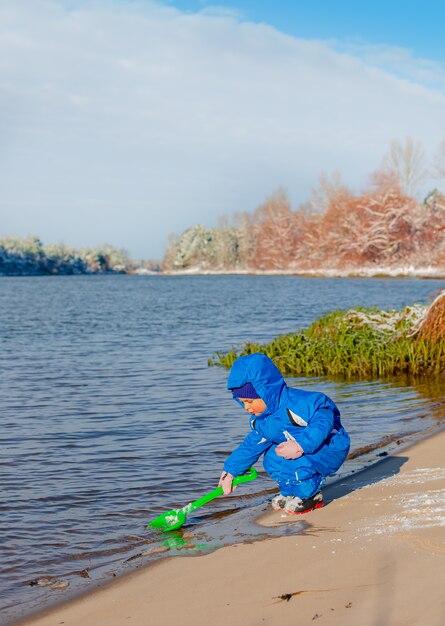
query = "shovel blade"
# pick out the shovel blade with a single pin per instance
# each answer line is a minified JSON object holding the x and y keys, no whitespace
{"x":171,"y":520}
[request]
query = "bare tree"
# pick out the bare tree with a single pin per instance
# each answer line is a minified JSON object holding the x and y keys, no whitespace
{"x":406,"y":164}
{"x":331,"y":224}
{"x":439,"y":161}
{"x":330,"y":188}
{"x":243,"y":223}
{"x":275,"y":233}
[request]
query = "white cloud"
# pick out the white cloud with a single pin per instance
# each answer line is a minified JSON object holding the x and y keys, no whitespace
{"x":399,"y":62}
{"x":124,"y":122}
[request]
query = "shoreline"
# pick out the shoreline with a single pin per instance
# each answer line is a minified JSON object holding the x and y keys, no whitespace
{"x":424,"y":273}
{"x":357,"y":560}
{"x":409,"y":271}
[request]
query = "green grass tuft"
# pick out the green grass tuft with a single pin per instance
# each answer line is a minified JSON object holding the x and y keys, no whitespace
{"x":363,"y":343}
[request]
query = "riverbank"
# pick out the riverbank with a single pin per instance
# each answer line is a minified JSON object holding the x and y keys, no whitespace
{"x":359,"y":343}
{"x":374,"y":555}
{"x":401,"y":271}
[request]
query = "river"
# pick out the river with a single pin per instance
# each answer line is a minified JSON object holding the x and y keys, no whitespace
{"x":111,"y":415}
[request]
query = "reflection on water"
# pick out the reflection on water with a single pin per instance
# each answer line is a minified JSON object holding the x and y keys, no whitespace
{"x":110,"y":414}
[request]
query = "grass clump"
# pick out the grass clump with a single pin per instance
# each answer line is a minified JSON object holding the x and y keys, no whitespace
{"x":359,"y":343}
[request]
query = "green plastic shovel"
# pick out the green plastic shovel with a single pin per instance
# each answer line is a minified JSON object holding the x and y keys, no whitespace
{"x":171,"y":520}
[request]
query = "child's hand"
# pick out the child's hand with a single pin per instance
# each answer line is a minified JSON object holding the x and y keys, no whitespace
{"x":289,"y":450}
{"x":225,"y":481}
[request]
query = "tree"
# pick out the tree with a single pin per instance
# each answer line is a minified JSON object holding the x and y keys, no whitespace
{"x":439,"y":162}
{"x":275,"y":233}
{"x":330,"y":223}
{"x":330,"y":189}
{"x":405,"y":164}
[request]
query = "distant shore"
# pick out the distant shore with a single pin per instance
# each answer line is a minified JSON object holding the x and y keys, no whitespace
{"x":28,"y":256}
{"x":365,"y":272}
{"x":355,"y":561}
{"x":399,"y":272}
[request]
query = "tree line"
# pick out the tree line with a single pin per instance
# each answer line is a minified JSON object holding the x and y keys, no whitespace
{"x":28,"y":256}
{"x":385,"y":226}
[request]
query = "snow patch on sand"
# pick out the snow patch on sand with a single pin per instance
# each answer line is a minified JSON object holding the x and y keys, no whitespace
{"x":416,"y":476}
{"x":415,"y":511}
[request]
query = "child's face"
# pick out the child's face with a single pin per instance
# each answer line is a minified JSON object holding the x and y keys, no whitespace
{"x":254,"y":406}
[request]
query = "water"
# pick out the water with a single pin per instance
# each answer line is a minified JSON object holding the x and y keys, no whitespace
{"x":110,"y":414}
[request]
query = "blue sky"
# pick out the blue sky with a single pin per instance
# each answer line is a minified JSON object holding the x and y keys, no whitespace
{"x":124,"y":122}
{"x":411,"y":24}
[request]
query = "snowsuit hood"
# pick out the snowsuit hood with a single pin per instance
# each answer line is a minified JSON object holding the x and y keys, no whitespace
{"x":267,"y":379}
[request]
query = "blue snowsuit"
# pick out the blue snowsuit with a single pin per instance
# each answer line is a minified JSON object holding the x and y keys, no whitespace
{"x":309,"y":418}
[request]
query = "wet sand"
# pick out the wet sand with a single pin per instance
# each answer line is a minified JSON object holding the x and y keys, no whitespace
{"x":374,"y":556}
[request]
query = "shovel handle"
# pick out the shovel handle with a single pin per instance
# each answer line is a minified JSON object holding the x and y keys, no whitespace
{"x":244,"y":478}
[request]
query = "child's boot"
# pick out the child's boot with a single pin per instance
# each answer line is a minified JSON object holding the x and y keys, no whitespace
{"x":280,"y":501}
{"x":297,"y":505}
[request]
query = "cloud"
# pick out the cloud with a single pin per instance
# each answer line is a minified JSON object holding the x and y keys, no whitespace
{"x":123,"y":122}
{"x":399,"y":62}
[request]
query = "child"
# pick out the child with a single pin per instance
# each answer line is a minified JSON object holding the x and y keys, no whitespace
{"x":299,"y":432}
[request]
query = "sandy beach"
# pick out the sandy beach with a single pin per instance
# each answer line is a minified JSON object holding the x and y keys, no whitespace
{"x":374,"y":555}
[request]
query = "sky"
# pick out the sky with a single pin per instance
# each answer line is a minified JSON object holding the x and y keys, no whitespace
{"x":127,"y":121}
